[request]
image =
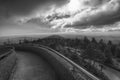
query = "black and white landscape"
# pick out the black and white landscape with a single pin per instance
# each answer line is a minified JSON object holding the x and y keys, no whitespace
{"x":59,"y":40}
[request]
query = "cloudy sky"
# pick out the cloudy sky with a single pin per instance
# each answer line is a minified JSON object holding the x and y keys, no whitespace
{"x":52,"y":16}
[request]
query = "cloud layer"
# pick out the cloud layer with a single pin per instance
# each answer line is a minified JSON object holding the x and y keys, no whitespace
{"x":65,"y":15}
{"x":85,"y":13}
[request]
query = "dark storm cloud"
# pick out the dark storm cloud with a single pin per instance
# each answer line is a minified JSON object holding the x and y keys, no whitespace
{"x":10,"y":8}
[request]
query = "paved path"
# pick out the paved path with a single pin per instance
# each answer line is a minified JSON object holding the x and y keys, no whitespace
{"x":111,"y":73}
{"x":32,"y":67}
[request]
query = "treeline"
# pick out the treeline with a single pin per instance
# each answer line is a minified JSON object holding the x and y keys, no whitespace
{"x":91,"y":51}
{"x":99,"y":51}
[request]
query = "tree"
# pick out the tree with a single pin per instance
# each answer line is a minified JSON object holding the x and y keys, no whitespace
{"x":74,"y":57}
{"x":93,"y":54}
{"x":108,"y":55}
{"x":4,"y":43}
{"x":99,"y":56}
{"x":109,"y":43}
{"x":89,"y":53}
{"x":86,"y":40}
{"x":102,"y":45}
{"x":113,"y":49}
{"x":20,"y":42}
{"x":85,"y":43}
{"x":94,"y":40}
{"x":117,"y":52}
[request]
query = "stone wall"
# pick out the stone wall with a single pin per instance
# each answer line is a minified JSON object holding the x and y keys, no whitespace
{"x":62,"y":72}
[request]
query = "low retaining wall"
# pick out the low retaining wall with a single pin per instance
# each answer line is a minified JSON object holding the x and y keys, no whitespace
{"x":61,"y":71}
{"x":6,"y":54}
{"x":7,"y":63}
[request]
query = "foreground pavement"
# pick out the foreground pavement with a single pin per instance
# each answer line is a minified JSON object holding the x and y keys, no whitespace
{"x":32,"y":67}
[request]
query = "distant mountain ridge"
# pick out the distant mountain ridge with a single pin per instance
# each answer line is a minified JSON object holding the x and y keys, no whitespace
{"x":55,"y":37}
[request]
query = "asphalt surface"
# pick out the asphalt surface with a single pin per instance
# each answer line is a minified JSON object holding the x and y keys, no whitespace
{"x":32,"y":67}
{"x":111,"y":73}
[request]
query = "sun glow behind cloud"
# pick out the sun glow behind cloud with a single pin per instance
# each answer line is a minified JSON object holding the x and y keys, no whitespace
{"x":74,"y":5}
{"x":84,"y":13}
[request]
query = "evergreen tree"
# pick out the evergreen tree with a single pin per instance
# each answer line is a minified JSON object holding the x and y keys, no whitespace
{"x":113,"y":49}
{"x":108,"y":55}
{"x":20,"y":42}
{"x":94,"y":40}
{"x":85,"y":43}
{"x":117,"y":52}
{"x":110,"y":43}
{"x":102,"y":45}
{"x":86,"y":40}
{"x":89,"y":52}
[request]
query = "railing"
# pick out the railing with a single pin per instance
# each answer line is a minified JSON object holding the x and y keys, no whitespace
{"x":78,"y":72}
{"x":7,"y":53}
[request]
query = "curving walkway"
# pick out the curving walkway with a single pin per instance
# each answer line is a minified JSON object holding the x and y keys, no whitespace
{"x":32,"y":67}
